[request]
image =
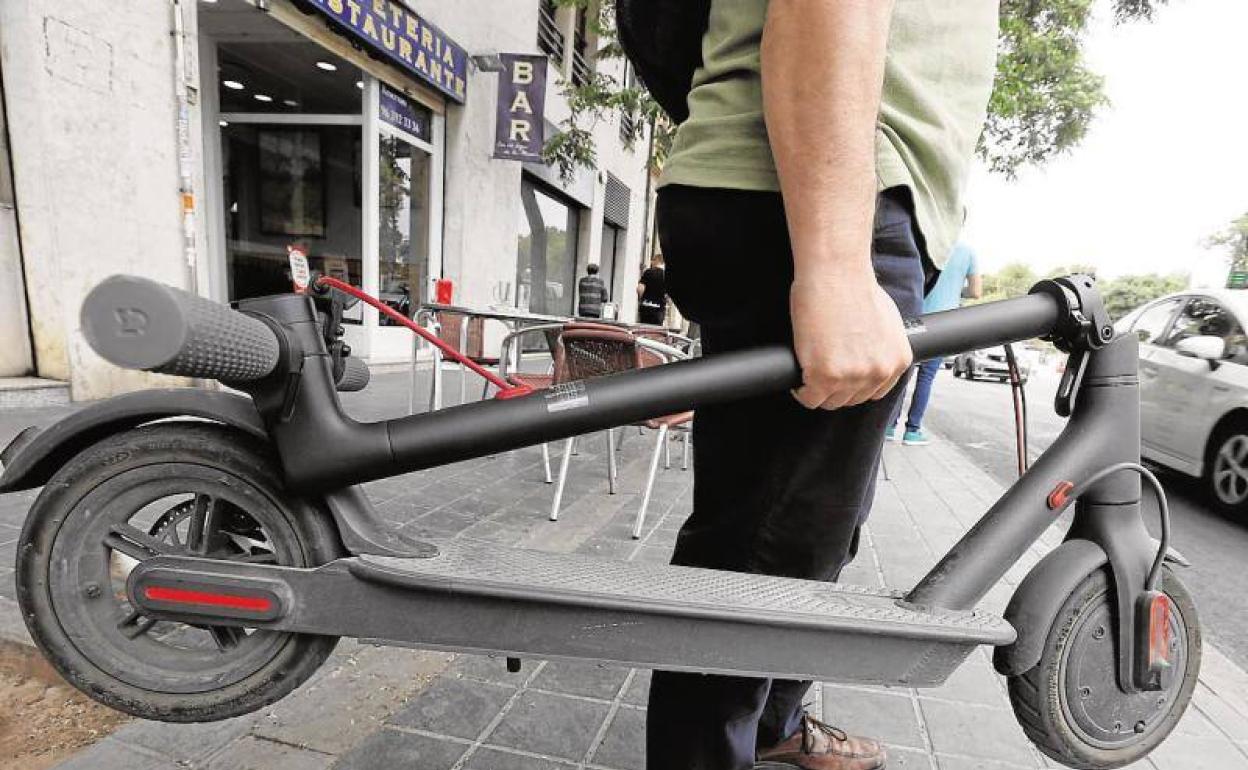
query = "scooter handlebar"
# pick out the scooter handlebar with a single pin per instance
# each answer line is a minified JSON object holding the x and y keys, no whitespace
{"x":141,"y":324}
{"x":138,"y":323}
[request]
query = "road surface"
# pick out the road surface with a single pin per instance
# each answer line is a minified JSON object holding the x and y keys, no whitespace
{"x":978,"y":417}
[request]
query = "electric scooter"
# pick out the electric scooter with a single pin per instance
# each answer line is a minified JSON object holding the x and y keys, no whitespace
{"x":195,"y":555}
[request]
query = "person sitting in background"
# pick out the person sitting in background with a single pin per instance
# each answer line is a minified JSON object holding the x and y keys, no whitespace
{"x":652,"y":293}
{"x":591,"y":293}
{"x":959,"y":279}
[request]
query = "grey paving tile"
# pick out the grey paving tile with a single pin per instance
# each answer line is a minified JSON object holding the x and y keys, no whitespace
{"x":623,"y":746}
{"x":1224,"y":715}
{"x":391,"y":749}
{"x":884,"y":716}
{"x":1186,"y":752}
{"x":978,"y":731}
{"x":184,"y":743}
{"x":8,"y":588}
{"x":639,"y":689}
{"x":583,"y":679}
{"x":487,"y":758}
{"x":251,"y":753}
{"x":109,"y":754}
{"x":489,"y":669}
{"x":973,"y":682}
{"x":351,"y":700}
{"x":547,"y":724}
{"x":909,"y":759}
{"x":458,"y":707}
{"x":1195,"y":723}
{"x":947,"y":762}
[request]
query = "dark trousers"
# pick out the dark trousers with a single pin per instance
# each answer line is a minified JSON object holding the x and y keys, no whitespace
{"x":924,"y":376}
{"x":778,"y":489}
{"x":650,"y":315}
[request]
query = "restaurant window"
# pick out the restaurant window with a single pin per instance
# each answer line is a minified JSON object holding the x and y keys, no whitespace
{"x":290,"y":161}
{"x":546,"y":252}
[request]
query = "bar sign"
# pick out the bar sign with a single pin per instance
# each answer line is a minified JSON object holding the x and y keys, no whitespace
{"x":520,"y":129}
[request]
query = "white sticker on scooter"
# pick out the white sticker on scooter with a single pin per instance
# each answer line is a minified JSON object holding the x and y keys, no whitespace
{"x":568,"y":395}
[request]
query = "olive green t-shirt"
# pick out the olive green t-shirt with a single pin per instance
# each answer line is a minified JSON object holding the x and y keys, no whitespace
{"x":938,"y":76}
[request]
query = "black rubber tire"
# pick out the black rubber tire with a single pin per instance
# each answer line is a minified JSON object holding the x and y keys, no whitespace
{"x":1237,"y":426}
{"x":1037,"y":695}
{"x":142,"y":453}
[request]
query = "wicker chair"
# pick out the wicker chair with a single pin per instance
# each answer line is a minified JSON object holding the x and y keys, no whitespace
{"x":593,"y":350}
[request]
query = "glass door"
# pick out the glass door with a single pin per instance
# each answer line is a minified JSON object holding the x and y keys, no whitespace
{"x":402,"y":224}
{"x":408,"y":189}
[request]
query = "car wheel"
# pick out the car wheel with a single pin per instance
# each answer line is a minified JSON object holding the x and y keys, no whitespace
{"x":1226,"y":467}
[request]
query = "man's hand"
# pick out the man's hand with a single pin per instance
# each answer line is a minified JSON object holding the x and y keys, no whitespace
{"x":849,"y":340}
{"x":823,"y":71}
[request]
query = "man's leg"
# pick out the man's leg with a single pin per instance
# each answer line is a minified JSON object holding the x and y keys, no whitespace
{"x":922,"y":393}
{"x":901,"y":400}
{"x":899,"y":272}
{"x":778,"y":489}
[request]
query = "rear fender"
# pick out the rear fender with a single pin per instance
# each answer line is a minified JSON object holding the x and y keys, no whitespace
{"x":31,"y":458}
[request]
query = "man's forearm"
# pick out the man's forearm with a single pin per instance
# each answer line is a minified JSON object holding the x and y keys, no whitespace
{"x":823,"y":70}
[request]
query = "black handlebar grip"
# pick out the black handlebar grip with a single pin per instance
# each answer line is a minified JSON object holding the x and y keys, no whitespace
{"x":355,"y":375}
{"x":141,"y":324}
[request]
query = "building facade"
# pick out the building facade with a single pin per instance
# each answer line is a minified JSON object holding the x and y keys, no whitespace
{"x":197,"y":141}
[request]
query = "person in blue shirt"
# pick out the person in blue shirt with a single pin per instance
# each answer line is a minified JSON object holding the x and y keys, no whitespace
{"x":960,"y":279}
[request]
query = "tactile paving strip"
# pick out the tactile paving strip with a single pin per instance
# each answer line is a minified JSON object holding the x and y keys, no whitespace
{"x":467,"y":567}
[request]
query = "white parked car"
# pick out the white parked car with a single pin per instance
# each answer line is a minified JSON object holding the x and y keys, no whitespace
{"x":990,"y":363}
{"x":1194,"y":388}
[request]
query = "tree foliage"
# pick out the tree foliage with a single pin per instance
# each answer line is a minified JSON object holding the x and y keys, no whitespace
{"x":1044,"y":99}
{"x":1127,"y":292}
{"x":1122,"y":294}
{"x":1234,"y":240}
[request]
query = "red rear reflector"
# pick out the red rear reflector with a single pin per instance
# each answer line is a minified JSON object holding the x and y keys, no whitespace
{"x":185,"y":596}
{"x":1058,"y":497}
{"x":1159,"y":631}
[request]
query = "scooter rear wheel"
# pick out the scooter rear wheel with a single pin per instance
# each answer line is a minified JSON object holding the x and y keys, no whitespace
{"x":174,"y":488}
{"x":1070,"y":705}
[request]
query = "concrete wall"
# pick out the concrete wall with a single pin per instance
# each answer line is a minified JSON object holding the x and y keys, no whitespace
{"x":15,"y":359}
{"x":91,"y":105}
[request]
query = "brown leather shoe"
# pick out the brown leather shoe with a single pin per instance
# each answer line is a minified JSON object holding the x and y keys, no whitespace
{"x":816,"y":746}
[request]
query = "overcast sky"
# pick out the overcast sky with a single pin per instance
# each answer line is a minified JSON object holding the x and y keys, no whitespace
{"x":1162,"y":167}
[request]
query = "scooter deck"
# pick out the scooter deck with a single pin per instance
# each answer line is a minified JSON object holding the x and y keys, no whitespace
{"x":484,"y":598}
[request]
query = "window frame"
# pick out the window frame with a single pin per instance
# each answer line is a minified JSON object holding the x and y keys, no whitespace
{"x":1180,"y":302}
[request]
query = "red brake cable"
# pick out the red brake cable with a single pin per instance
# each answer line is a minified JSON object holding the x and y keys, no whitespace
{"x":505,"y":389}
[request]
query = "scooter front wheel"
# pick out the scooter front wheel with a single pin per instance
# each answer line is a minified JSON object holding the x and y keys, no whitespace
{"x":1070,"y":704}
{"x":173,"y":488}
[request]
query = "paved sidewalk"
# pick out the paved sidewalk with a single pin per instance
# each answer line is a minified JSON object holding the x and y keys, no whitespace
{"x":383,"y":708}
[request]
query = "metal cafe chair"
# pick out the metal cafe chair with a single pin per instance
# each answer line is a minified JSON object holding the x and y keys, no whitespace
{"x":591,"y":350}
{"x":652,"y":354}
{"x":463,"y":332}
{"x":510,"y":350}
{"x":466,"y":333}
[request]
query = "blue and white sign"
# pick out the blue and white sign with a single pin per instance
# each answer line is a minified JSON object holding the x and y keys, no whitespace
{"x":404,"y":38}
{"x":397,"y":110}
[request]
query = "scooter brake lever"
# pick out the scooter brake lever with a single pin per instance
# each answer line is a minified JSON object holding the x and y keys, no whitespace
{"x":1068,"y":388}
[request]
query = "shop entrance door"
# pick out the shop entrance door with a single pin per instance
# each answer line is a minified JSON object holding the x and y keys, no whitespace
{"x":408,"y":204}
